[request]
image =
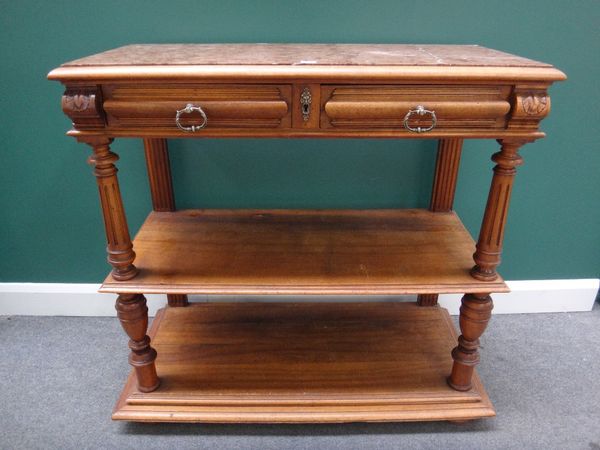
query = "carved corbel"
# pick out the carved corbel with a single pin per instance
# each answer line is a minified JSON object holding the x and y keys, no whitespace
{"x":83,"y":104}
{"x":530,"y":104}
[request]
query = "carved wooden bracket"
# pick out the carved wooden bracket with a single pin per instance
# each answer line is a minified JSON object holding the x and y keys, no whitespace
{"x":83,"y":104}
{"x":535,"y":104}
{"x":529,"y":106}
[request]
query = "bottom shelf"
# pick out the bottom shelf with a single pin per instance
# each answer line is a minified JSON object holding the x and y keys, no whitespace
{"x":302,"y":362}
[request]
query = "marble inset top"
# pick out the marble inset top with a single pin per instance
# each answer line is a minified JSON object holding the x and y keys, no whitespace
{"x":305,"y":54}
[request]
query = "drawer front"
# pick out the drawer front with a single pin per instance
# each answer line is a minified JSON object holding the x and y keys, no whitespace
{"x":444,"y":107}
{"x":222,"y":106}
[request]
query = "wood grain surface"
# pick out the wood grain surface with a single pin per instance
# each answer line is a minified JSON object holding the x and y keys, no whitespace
{"x":303,"y":252}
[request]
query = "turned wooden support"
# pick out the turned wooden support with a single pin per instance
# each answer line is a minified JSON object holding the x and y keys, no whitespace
{"x":489,"y":245}
{"x":161,"y":189}
{"x":133,"y":314}
{"x":444,"y":188}
{"x":119,"y":248}
{"x":475,"y":313}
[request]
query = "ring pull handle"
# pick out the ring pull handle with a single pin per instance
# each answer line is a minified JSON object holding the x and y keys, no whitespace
{"x":189,"y":108}
{"x":420,"y":111}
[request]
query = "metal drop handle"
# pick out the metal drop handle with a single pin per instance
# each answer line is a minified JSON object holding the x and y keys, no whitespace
{"x":189,"y":108}
{"x":420,"y":111}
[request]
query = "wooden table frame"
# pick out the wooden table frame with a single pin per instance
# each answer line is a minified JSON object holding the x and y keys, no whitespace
{"x":487,"y":95}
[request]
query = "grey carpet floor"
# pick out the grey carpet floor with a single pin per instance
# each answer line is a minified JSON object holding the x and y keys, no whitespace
{"x":60,"y":377}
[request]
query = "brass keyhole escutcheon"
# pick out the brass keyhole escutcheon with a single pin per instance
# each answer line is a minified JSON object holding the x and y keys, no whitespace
{"x":305,"y":101}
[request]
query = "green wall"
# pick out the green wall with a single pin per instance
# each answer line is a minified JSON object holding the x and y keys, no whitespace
{"x":50,"y":227}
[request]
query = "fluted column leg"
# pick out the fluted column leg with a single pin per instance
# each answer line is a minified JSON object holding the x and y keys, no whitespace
{"x":491,"y":235}
{"x":427,"y":299}
{"x":159,"y":174}
{"x":443,"y":190}
{"x":446,"y":174}
{"x":133,"y":314}
{"x":177,"y":300}
{"x":475,"y":313}
{"x":161,"y":189}
{"x":119,"y":246}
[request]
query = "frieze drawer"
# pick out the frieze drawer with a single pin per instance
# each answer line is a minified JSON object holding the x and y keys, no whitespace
{"x":191,"y":108}
{"x":415,"y":108}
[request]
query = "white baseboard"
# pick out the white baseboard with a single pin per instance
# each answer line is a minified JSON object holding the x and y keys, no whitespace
{"x":71,"y":299}
{"x":538,"y":296}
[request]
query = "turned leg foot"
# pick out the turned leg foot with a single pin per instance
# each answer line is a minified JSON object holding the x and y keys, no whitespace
{"x":475,"y":314}
{"x":133,"y":315}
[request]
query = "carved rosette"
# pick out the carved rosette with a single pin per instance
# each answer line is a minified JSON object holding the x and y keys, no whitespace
{"x":530,"y":106}
{"x":83,"y":104}
{"x":534,"y":104}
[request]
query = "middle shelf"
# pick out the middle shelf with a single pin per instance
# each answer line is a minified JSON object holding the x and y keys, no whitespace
{"x":295,"y":252}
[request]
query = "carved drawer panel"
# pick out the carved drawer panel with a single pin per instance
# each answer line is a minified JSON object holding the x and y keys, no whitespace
{"x":211,"y":106}
{"x":418,"y":107}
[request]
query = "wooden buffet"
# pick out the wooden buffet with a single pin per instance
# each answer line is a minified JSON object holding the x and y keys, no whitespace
{"x":304,"y":362}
